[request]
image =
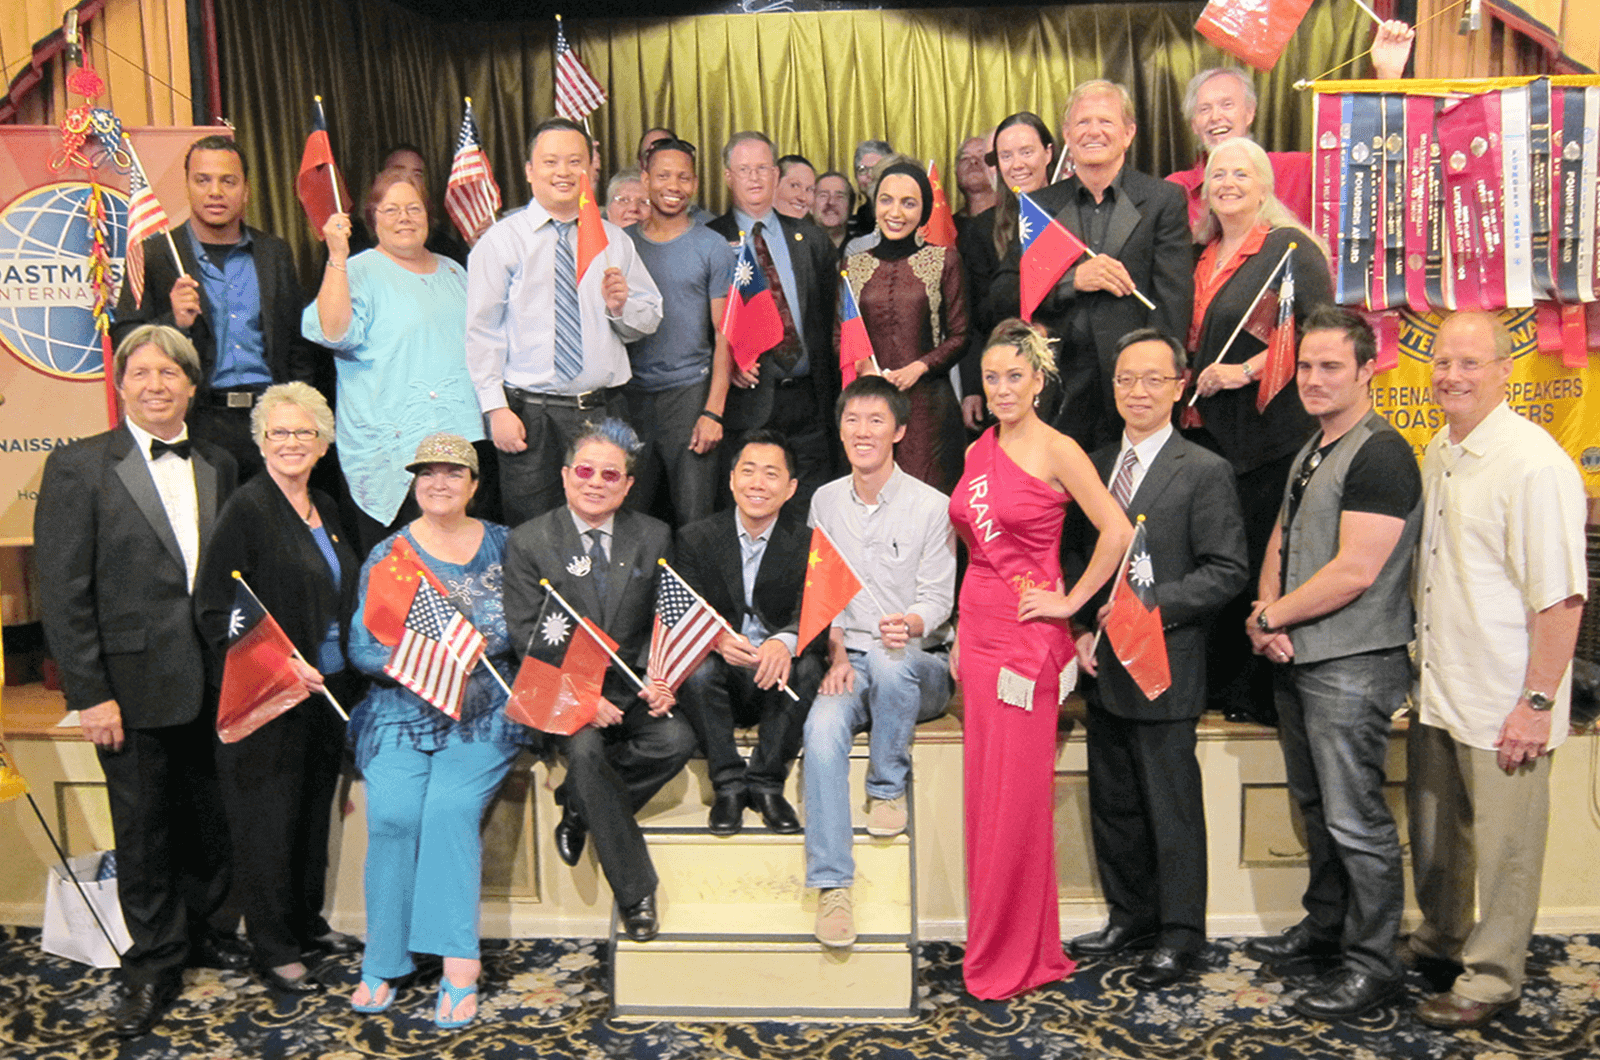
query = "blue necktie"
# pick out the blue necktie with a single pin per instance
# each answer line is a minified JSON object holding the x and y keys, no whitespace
{"x":569,"y":327}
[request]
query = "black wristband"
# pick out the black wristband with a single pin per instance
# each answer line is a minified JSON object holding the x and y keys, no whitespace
{"x":712,"y":416}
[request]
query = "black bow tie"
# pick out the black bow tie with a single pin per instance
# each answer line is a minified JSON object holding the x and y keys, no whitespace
{"x":177,"y":449}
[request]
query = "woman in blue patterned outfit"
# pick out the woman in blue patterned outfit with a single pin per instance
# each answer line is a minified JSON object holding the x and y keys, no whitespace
{"x":429,"y":778}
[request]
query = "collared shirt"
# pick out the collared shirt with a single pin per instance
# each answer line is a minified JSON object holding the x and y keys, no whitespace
{"x":1502,"y":537}
{"x":1146,"y":451}
{"x":1095,"y":216}
{"x":777,"y":245}
{"x":234,"y":292}
{"x":511,"y":307}
{"x":584,"y":528}
{"x":751,"y":552}
{"x":174,"y":479}
{"x":903,"y":548}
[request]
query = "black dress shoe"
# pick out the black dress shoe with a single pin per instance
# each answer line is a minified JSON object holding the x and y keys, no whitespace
{"x":776,"y":811}
{"x":639,"y":921}
{"x":142,"y":1005}
{"x":727,"y":813}
{"x":305,"y":983}
{"x":569,"y":837}
{"x":1113,"y":938}
{"x":1292,"y":944}
{"x":1348,"y":993}
{"x":228,"y":953}
{"x":1161,"y":967}
{"x":336,"y":944}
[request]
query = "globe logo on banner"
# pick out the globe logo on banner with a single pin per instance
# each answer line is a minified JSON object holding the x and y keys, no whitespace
{"x":46,"y":299}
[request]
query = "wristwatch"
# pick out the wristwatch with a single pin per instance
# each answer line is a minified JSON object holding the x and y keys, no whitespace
{"x":1538,"y":700}
{"x":1249,"y":373}
{"x":1261,"y":622}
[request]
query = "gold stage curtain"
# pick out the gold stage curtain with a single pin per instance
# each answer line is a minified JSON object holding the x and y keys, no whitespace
{"x":817,"y":83}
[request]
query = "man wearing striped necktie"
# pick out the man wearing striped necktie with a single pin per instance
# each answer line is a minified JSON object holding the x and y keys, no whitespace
{"x":544,"y":342}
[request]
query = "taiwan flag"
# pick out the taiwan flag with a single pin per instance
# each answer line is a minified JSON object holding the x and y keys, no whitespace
{"x":751,"y":322}
{"x":1048,"y":251}
{"x":319,"y":183}
{"x":854,"y":345}
{"x":1134,"y":624}
{"x":258,"y":680}
{"x":558,"y":687}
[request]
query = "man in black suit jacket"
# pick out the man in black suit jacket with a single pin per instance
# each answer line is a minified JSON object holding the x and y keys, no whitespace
{"x":602,"y":559}
{"x":796,"y":383}
{"x":750,"y":564}
{"x":1138,"y":228}
{"x":122,"y":519}
{"x":247,"y":341}
{"x":1145,"y":804}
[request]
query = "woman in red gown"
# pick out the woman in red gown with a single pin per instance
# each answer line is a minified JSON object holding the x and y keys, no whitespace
{"x":1014,"y":660}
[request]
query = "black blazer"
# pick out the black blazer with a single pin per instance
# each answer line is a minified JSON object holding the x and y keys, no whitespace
{"x":1247,"y":438}
{"x":260,"y":535}
{"x":1197,"y":547}
{"x":115,"y":593}
{"x":816,"y":273}
{"x":976,"y":246}
{"x":1149,"y":233}
{"x":289,"y":356}
{"x":547,"y":545}
{"x":709,"y":560}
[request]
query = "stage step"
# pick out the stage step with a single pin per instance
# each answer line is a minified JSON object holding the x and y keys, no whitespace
{"x":737,"y":923}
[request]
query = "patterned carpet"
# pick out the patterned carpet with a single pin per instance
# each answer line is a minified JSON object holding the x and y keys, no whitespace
{"x":548,"y":998}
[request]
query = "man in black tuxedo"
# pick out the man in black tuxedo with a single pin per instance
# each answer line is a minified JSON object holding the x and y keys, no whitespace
{"x":1138,"y":228}
{"x":602,"y":559}
{"x":793,"y":387}
{"x":1145,"y":804}
{"x":122,"y":518}
{"x":750,"y":564}
{"x":237,"y":299}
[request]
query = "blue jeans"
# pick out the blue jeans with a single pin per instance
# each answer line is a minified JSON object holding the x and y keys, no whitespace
{"x":1333,"y":726}
{"x":894,"y":691}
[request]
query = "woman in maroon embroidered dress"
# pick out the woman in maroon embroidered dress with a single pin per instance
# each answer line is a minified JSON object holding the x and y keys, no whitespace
{"x":914,"y":306}
{"x":1014,"y":660}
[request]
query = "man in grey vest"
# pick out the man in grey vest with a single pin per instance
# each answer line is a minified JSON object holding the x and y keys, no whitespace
{"x":1335,"y":614}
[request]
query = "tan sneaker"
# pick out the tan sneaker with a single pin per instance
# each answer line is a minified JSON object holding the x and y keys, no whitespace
{"x":836,"y":918}
{"x":886,"y":817}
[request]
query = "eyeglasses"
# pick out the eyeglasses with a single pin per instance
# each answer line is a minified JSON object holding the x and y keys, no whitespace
{"x":390,"y":212}
{"x":1297,"y":489}
{"x":1125,"y":381}
{"x":609,"y":475}
{"x":299,"y":434}
{"x":747,"y":172}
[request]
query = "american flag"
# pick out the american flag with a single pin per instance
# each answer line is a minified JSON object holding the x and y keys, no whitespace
{"x":685,"y":630}
{"x":146,"y":218}
{"x":436,"y":652}
{"x":471,"y":197}
{"x":577,"y":92}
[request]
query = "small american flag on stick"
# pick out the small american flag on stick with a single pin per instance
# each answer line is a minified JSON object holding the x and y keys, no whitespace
{"x":436,"y":652}
{"x":146,"y":218}
{"x":471,"y":196}
{"x":577,"y":92}
{"x":686,"y":628}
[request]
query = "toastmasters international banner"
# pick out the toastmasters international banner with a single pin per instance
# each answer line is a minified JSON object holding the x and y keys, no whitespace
{"x":51,"y":376}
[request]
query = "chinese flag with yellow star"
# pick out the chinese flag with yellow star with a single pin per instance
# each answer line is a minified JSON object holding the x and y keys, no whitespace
{"x":830,"y":586}
{"x":390,"y":588}
{"x":941,"y":227}
{"x":591,"y":229}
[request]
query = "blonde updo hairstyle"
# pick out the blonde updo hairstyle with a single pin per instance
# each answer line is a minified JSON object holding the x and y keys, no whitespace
{"x":1028,"y":341}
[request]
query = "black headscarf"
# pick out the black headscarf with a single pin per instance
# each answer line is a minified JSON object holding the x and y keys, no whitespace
{"x":895,"y":249}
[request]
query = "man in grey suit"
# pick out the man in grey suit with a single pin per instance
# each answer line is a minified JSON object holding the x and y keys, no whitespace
{"x":123,"y":517}
{"x":1145,"y":803}
{"x":793,"y":387}
{"x":602,"y":559}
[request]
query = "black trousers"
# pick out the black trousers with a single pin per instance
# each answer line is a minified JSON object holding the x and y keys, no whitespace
{"x":530,"y":481}
{"x":278,"y":785}
{"x":717,"y":697}
{"x":172,"y":842}
{"x":611,"y":773}
{"x":1147,"y":814}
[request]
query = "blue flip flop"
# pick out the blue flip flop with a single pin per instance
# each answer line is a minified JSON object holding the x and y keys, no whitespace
{"x":456,"y":995}
{"x":374,"y":983}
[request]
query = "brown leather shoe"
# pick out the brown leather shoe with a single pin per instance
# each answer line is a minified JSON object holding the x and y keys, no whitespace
{"x":1452,"y":1012}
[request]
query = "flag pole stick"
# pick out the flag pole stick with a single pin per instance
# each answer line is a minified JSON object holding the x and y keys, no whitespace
{"x":1122,"y":569}
{"x":73,"y":876}
{"x":718,"y":616}
{"x":484,"y":660}
{"x":1247,"y":314}
{"x":1369,"y":13}
{"x":327,"y":692}
{"x":166,"y":231}
{"x":333,"y":173}
{"x":1136,"y":292}
{"x":586,"y":624}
